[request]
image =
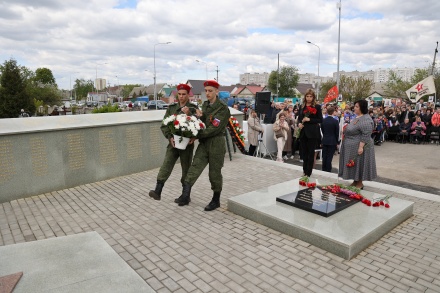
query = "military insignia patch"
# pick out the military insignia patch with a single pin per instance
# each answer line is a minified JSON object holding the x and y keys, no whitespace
{"x":216,"y":122}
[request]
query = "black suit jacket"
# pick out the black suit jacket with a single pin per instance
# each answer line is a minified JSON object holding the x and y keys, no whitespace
{"x":330,"y":131}
{"x":311,"y":128}
{"x":403,"y":115}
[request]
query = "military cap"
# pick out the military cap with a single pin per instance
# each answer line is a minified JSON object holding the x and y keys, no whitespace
{"x":212,"y":83}
{"x":183,"y":86}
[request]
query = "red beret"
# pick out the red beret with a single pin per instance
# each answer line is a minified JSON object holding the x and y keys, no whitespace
{"x":211,"y":83}
{"x":183,"y":86}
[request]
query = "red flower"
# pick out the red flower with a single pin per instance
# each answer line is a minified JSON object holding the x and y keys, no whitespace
{"x":201,"y":125}
{"x":312,"y":110}
{"x":176,"y":122}
{"x":350,"y":164}
{"x":188,"y":118}
{"x":387,"y":205}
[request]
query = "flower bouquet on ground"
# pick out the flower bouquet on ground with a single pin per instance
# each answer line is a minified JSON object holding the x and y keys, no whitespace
{"x":355,"y":193}
{"x":305,"y":181}
{"x":183,"y":127}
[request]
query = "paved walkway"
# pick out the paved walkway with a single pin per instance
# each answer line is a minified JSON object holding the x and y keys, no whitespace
{"x":184,"y":249}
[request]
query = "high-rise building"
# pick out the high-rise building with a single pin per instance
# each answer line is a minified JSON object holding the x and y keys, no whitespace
{"x":100,"y":84}
{"x":260,"y":79}
{"x":380,"y":75}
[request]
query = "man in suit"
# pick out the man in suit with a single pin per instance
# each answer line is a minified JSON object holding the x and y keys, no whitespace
{"x":330,"y":132}
{"x":406,"y":114}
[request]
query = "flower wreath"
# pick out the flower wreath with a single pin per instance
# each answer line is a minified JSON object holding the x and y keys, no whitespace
{"x":236,"y":133}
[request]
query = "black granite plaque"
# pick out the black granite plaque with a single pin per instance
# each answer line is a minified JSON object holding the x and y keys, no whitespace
{"x":318,"y":201}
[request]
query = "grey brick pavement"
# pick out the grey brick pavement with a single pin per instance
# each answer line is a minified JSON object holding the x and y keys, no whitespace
{"x":184,"y":249}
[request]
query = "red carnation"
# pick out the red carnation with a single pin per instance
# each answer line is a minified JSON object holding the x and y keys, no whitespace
{"x":201,"y":125}
{"x":312,"y":110}
{"x":176,"y":122}
{"x":387,"y":205}
{"x":350,"y":163}
{"x":188,"y":118}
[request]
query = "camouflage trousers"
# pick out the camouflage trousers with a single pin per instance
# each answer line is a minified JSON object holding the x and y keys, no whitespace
{"x":210,"y":151}
{"x":171,"y":156}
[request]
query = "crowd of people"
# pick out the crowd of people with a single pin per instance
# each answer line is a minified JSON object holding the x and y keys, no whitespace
{"x":308,"y":126}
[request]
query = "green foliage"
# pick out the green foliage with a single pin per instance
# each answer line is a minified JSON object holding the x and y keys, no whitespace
{"x":46,"y":93}
{"x":325,"y":87}
{"x":44,"y":76}
{"x":288,"y":80}
{"x":13,"y":93}
{"x":82,"y":88}
{"x":107,"y":109}
{"x":395,"y":87}
{"x":353,"y":89}
{"x":126,"y":90}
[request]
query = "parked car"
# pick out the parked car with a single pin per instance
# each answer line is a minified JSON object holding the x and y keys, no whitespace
{"x":160,"y":105}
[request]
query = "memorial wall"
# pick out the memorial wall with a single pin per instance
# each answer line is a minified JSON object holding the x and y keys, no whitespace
{"x":45,"y":154}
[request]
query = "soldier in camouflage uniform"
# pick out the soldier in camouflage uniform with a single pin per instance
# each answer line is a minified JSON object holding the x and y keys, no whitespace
{"x":211,"y":149}
{"x":172,"y":154}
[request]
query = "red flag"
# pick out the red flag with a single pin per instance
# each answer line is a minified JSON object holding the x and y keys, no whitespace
{"x":331,"y":94}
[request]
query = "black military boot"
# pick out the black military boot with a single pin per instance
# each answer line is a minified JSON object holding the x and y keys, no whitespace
{"x":215,"y":202}
{"x":157,"y":191}
{"x":177,"y":200}
{"x":185,"y":197}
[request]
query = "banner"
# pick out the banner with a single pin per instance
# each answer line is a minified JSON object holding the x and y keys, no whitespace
{"x":331,"y":94}
{"x":423,"y":88}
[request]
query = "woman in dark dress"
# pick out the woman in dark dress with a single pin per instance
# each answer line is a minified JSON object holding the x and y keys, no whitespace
{"x":358,"y":146}
{"x":309,"y":120}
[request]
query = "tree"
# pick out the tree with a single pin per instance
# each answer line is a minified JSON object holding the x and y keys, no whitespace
{"x":13,"y":93}
{"x":46,"y":93}
{"x":82,"y":88}
{"x":395,"y":87}
{"x":288,"y":80}
{"x":353,"y":89}
{"x":126,"y":90}
{"x":44,"y":76}
{"x":325,"y":87}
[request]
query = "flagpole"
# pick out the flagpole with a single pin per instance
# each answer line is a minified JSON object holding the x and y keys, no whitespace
{"x":338,"y":5}
{"x":433,"y":61}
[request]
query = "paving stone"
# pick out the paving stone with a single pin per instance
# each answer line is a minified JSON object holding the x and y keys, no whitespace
{"x":177,"y":249}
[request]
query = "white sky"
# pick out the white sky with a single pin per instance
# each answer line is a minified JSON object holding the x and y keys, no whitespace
{"x":74,"y":38}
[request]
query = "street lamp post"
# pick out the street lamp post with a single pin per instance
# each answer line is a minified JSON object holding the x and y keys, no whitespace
{"x":338,"y":5}
{"x":206,"y":66}
{"x":154,"y":65}
{"x":71,"y":85}
{"x":319,"y":57}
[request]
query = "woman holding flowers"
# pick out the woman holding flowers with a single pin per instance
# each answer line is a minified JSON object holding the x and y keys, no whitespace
{"x":309,"y":120}
{"x":357,"y":160}
{"x":280,"y":129}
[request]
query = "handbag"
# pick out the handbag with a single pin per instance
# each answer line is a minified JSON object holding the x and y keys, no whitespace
{"x":279,"y":133}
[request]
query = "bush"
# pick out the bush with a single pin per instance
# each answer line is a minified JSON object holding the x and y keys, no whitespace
{"x":107,"y":109}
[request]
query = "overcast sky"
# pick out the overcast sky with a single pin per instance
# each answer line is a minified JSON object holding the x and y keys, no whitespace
{"x":74,"y":38}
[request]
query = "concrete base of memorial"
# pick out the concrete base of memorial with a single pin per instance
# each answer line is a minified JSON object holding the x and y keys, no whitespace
{"x":344,"y":234}
{"x":75,"y":263}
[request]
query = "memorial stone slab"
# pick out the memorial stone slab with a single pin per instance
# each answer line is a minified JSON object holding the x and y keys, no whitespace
{"x":318,"y":201}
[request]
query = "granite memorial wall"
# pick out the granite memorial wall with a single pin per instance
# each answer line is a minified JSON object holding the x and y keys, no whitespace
{"x":45,"y":154}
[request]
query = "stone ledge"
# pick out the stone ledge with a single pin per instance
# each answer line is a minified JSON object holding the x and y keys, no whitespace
{"x":344,"y":234}
{"x":75,"y":263}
